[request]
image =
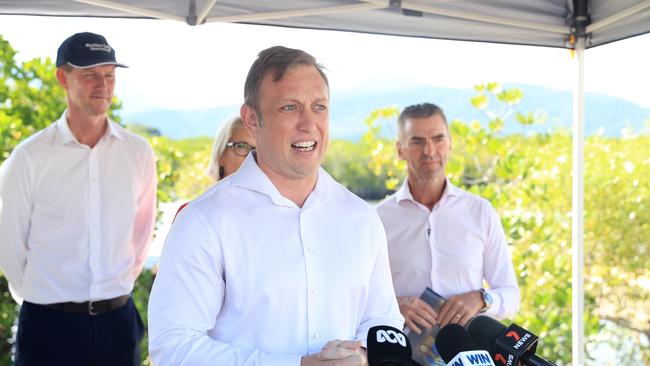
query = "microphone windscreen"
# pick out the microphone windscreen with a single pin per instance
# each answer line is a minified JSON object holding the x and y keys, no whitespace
{"x":484,"y":330}
{"x":453,"y":339}
{"x":388,"y":346}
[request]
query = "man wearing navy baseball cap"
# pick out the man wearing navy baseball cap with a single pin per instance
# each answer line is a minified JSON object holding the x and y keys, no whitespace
{"x":77,"y":209}
{"x":85,"y":50}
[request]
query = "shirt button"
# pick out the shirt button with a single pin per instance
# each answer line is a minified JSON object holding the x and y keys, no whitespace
{"x":313,"y":291}
{"x":315,"y":336}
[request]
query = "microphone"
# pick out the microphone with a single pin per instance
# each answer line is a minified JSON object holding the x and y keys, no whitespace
{"x":457,"y":349}
{"x":509,"y":346}
{"x":388,"y":346}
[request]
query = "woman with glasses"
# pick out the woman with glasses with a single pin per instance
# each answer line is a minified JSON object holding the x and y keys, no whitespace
{"x":231,"y":145}
{"x":229,"y":149}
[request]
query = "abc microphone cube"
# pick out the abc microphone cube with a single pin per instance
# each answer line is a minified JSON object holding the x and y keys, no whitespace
{"x":388,"y":346}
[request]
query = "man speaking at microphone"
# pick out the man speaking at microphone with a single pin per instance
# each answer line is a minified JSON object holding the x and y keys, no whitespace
{"x":277,"y":264}
{"x":440,"y":236}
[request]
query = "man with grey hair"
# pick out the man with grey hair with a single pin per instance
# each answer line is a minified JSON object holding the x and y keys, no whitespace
{"x":440,"y":236}
{"x":277,"y":264}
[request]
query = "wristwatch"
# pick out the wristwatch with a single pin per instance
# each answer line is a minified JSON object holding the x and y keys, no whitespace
{"x":487,"y":299}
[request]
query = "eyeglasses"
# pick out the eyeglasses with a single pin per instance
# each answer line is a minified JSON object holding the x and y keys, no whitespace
{"x":241,"y":148}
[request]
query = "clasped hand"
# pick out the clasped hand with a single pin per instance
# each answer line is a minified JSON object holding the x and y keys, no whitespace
{"x":418,"y":315}
{"x":338,"y":353}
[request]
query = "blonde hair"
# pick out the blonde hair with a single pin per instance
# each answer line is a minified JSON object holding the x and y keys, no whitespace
{"x":219,"y":146}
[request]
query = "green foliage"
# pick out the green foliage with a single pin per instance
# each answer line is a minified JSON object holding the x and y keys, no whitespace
{"x":368,"y":168}
{"x":510,"y":173}
{"x":533,"y":197}
{"x":617,"y":234}
{"x":30,"y":98}
{"x":194,"y":178}
{"x":141,"y":291}
{"x":8,"y":316}
{"x":181,"y":166}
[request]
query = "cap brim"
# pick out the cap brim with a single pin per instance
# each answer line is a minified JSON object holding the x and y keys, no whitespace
{"x":98,"y":64}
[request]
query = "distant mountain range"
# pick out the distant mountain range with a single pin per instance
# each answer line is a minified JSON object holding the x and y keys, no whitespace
{"x":349,"y":108}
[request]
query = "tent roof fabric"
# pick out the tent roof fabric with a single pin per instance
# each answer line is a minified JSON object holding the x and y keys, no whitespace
{"x":531,"y":22}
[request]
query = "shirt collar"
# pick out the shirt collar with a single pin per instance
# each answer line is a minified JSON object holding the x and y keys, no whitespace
{"x":404,"y":192}
{"x":112,"y":129}
{"x":322,"y":192}
{"x":65,"y":135}
{"x":250,"y":176}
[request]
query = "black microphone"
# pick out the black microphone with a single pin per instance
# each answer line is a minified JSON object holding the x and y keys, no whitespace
{"x":509,"y":346}
{"x":457,"y":348}
{"x":388,"y":346}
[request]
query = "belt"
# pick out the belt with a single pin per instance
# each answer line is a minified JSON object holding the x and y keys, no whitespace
{"x":89,"y":307}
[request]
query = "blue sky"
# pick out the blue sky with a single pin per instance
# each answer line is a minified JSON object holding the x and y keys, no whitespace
{"x":177,"y":66}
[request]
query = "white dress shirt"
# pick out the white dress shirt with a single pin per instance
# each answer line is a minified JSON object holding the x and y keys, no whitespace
{"x":249,"y":278}
{"x":452,"y":249}
{"x":75,"y":221}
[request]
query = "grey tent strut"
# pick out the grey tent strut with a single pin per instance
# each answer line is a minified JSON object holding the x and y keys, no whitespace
{"x":532,"y":22}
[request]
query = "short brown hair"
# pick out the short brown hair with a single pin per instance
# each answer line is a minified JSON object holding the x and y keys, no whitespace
{"x":417,"y":111}
{"x":278,"y":60}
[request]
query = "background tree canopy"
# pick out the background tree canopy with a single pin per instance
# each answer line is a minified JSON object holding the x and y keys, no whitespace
{"x":526,"y":176}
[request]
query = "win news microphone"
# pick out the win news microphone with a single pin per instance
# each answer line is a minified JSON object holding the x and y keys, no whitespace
{"x":511,"y":346}
{"x":457,"y":349}
{"x":388,"y":346}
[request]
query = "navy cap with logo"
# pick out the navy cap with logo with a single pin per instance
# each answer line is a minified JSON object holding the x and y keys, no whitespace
{"x":85,"y":50}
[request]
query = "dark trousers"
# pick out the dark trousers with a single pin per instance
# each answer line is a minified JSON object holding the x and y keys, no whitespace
{"x":53,"y":337}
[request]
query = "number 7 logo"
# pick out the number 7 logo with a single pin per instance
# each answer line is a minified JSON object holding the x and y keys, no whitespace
{"x":513,"y":334}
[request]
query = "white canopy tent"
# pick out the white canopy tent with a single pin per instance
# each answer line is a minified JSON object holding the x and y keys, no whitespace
{"x":531,"y":22}
{"x":572,"y":24}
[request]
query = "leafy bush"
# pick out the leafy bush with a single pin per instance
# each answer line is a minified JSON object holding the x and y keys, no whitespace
{"x":8,"y":316}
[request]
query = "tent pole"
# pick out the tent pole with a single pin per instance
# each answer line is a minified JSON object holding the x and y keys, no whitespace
{"x":577,"y":240}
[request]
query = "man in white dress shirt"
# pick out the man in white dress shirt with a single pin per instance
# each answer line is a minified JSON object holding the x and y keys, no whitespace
{"x":442,"y":237}
{"x":77,"y":209}
{"x":277,"y":264}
